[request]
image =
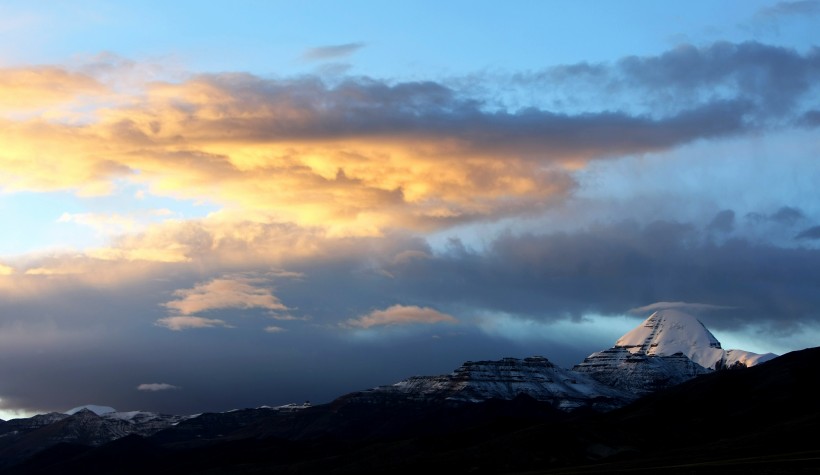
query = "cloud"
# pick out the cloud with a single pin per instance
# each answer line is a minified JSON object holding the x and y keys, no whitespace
{"x":684,"y":306}
{"x":185,"y":322}
{"x":153,"y":387}
{"x":102,"y":223}
{"x":810,"y":119}
{"x":23,"y":89}
{"x":6,"y":270}
{"x":400,"y":315}
{"x":769,"y":80}
{"x":774,"y":18}
{"x":809,"y":233}
{"x":787,"y":215}
{"x":800,"y":7}
{"x":229,"y":291}
{"x":322,"y":53}
{"x":274,"y":329}
{"x":607,"y":268}
{"x":360,"y":155}
{"x":724,"y":221}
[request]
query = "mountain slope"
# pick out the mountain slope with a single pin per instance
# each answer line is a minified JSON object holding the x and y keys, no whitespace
{"x":762,"y":419}
{"x":479,"y":400}
{"x":507,"y":378}
{"x":756,"y":420}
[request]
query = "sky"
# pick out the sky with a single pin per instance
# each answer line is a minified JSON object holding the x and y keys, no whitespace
{"x":216,"y":205}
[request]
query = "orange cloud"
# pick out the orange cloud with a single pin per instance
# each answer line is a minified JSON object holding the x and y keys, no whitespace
{"x":227,"y":292}
{"x":266,"y":147}
{"x":43,"y":87}
{"x":400,"y":315}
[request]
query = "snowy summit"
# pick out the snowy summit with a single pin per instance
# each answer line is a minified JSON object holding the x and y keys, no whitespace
{"x":671,"y":331}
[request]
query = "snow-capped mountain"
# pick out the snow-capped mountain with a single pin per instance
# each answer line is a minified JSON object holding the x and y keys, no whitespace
{"x":668,"y":348}
{"x":476,"y":381}
{"x":671,"y":331}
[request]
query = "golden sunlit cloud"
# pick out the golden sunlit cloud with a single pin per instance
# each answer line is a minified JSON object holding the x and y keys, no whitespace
{"x":269,"y":149}
{"x":291,"y":163}
{"x":227,"y":292}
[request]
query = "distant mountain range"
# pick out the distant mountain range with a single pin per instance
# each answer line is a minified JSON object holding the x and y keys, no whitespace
{"x":665,"y":390}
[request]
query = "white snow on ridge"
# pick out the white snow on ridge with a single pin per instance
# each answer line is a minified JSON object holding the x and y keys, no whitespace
{"x":747,"y":358}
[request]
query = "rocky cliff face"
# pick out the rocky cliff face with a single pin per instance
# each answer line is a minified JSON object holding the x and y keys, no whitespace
{"x":638,"y":373}
{"x":509,"y":377}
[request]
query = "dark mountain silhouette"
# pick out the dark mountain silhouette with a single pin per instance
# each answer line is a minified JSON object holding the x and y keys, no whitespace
{"x":761,"y":419}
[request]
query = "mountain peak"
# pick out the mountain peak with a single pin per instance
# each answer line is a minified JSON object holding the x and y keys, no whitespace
{"x":671,"y":331}
{"x":98,"y":410}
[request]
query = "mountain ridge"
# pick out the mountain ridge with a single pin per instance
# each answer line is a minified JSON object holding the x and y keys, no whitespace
{"x":638,"y":365}
{"x":744,"y":421}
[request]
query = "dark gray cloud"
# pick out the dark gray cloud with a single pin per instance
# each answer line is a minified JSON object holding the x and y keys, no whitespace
{"x":321,"y":53}
{"x":653,"y":103}
{"x":772,"y":76}
{"x":606,"y":269}
{"x":409,"y":112}
{"x":800,"y":7}
{"x":810,"y":119}
{"x":772,"y":80}
{"x":787,"y":215}
{"x":609,"y":269}
{"x":810,"y":233}
{"x":777,"y":18}
{"x":724,"y":221}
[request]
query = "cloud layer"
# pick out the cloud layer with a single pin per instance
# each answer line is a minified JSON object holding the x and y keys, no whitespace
{"x":362,"y":155}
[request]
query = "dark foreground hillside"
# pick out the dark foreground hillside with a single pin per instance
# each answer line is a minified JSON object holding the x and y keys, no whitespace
{"x":763,"y":419}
